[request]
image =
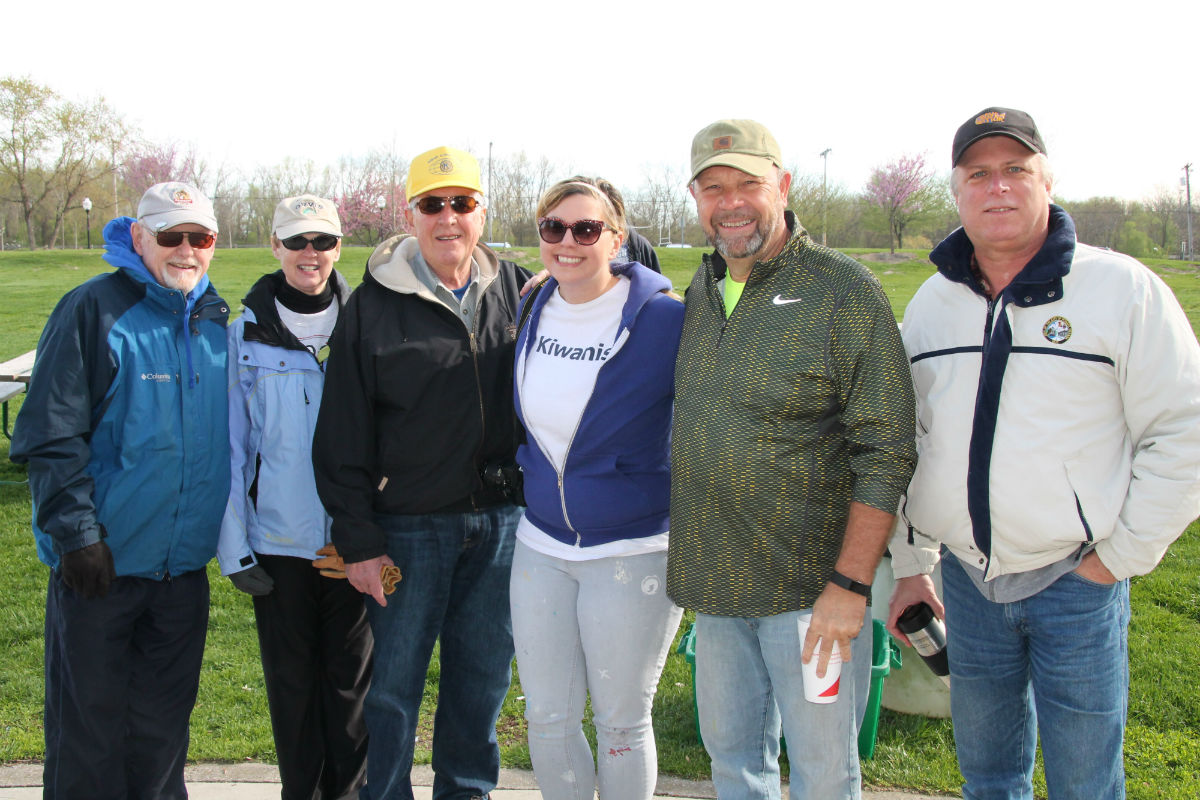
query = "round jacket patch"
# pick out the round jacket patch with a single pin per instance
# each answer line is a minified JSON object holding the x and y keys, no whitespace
{"x":1057,"y":330}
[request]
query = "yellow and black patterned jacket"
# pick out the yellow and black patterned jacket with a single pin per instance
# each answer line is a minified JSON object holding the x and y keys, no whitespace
{"x":798,"y":403}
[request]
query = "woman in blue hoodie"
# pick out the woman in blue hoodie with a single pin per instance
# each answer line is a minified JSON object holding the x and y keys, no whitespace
{"x":594,"y":385}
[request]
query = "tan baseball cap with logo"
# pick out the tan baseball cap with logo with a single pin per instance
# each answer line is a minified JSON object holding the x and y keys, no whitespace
{"x":165,"y":205}
{"x":739,"y":143}
{"x":305,"y":213}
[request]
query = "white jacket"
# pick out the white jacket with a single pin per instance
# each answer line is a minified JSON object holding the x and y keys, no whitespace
{"x":1097,"y":413}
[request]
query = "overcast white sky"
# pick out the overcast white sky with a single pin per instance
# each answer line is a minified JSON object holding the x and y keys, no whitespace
{"x":619,"y":88}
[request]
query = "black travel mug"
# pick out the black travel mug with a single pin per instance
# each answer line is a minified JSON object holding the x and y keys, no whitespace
{"x":928,"y":637}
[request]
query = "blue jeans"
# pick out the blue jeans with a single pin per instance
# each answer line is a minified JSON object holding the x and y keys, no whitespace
{"x":1054,"y":664}
{"x":602,"y":627}
{"x":455,"y":570}
{"x":748,"y":681}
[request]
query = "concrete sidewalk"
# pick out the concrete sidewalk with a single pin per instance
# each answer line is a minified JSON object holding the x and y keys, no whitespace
{"x":255,"y":781}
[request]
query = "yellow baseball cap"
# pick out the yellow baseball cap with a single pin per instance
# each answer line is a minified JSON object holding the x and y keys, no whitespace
{"x":441,"y":167}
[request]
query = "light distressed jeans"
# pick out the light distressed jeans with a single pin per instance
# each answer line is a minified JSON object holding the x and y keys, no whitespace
{"x":604,"y":627}
{"x":749,"y":682}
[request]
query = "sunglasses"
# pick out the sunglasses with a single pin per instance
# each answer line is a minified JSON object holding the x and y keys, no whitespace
{"x":321,"y":242}
{"x":459,"y":204}
{"x":200,"y":241}
{"x":586,"y":231}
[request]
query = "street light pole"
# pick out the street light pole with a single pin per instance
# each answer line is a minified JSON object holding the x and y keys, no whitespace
{"x":824,"y":193}
{"x":1187,"y":178}
{"x":87,"y":213}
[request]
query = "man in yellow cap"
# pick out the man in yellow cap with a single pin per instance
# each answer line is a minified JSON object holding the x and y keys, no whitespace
{"x":414,"y":442}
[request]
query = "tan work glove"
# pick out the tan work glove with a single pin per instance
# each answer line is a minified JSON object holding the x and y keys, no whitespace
{"x":332,"y":565}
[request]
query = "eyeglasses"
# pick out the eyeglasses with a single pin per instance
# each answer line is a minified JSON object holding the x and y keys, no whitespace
{"x":586,"y":231}
{"x":200,"y":241}
{"x":321,"y":242}
{"x":459,"y":204}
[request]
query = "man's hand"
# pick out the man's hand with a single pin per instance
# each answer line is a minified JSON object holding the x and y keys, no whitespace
{"x":836,"y":619}
{"x":253,"y":580}
{"x":910,"y":591}
{"x":527,"y":287}
{"x":1092,"y":568}
{"x":364,"y":576}
{"x":88,"y":571}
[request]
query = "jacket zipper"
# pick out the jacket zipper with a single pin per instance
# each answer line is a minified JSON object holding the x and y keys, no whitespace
{"x":562,"y":494}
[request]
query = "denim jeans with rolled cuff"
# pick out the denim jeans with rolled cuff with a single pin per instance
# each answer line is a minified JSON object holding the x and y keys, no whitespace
{"x":455,"y":569}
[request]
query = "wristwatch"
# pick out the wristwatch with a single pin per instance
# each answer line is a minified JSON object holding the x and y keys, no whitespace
{"x":838,"y":579}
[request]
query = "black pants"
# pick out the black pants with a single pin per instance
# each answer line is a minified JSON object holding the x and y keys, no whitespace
{"x":316,"y":650}
{"x":122,"y":672}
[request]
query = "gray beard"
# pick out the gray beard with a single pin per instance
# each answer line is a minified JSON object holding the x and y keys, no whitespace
{"x":752,"y":246}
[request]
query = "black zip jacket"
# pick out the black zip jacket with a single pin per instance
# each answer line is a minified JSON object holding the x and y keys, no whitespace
{"x":415,"y":403}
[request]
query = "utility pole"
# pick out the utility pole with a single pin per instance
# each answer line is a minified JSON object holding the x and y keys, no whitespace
{"x":1187,"y":180}
{"x":825,"y":194}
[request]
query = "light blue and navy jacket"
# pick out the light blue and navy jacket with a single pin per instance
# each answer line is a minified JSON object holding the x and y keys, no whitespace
{"x":125,"y":422}
{"x":1062,"y":413}
{"x":275,"y":387}
{"x":616,"y":478}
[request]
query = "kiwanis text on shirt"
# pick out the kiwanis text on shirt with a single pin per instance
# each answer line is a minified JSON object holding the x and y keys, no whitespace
{"x":550,"y":346}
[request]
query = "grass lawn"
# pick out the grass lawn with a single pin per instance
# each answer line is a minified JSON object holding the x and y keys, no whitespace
{"x":230,"y":721}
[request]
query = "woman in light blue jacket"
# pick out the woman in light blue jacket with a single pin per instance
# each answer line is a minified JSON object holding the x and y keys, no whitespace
{"x":313,"y":634}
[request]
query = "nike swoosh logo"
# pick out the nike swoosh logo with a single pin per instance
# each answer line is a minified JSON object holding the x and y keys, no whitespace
{"x":779,"y":301}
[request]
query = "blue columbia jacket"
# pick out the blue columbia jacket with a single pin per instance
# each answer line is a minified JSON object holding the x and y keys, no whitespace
{"x":616,"y":480}
{"x":125,"y":423}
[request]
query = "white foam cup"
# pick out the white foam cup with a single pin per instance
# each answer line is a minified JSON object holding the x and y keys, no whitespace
{"x":820,"y":690}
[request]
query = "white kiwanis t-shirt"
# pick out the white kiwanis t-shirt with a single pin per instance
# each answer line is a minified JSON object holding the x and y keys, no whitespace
{"x":556,"y":380}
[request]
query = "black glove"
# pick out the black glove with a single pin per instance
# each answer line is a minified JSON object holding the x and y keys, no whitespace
{"x":88,"y":571}
{"x":253,"y":580}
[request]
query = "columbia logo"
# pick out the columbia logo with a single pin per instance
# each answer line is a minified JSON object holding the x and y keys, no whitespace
{"x":156,"y":377}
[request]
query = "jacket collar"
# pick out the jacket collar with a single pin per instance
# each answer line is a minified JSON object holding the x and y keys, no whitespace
{"x":390,"y":266}
{"x":644,"y":284}
{"x":761,"y":269}
{"x":1039,"y":282}
{"x":263,"y":323}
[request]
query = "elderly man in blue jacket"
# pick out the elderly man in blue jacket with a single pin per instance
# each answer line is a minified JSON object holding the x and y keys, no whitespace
{"x":124,"y":431}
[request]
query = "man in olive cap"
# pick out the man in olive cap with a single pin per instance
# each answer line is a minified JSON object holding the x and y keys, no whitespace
{"x":792,"y":444}
{"x":125,"y":433}
{"x":415,"y":426}
{"x":1041,"y":509}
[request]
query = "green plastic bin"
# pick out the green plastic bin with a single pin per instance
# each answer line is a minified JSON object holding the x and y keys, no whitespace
{"x":885,"y":656}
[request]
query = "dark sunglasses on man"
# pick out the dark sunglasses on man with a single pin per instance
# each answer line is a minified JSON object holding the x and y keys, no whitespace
{"x":321,"y":242}
{"x":586,"y":231}
{"x":198,"y":240}
{"x":459,"y":204}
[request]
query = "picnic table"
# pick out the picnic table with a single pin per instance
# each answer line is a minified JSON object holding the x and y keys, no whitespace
{"x":14,"y":379}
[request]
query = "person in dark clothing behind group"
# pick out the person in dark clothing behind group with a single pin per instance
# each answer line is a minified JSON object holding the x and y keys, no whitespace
{"x":417,"y":409}
{"x":312,"y":625}
{"x":125,"y":434}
